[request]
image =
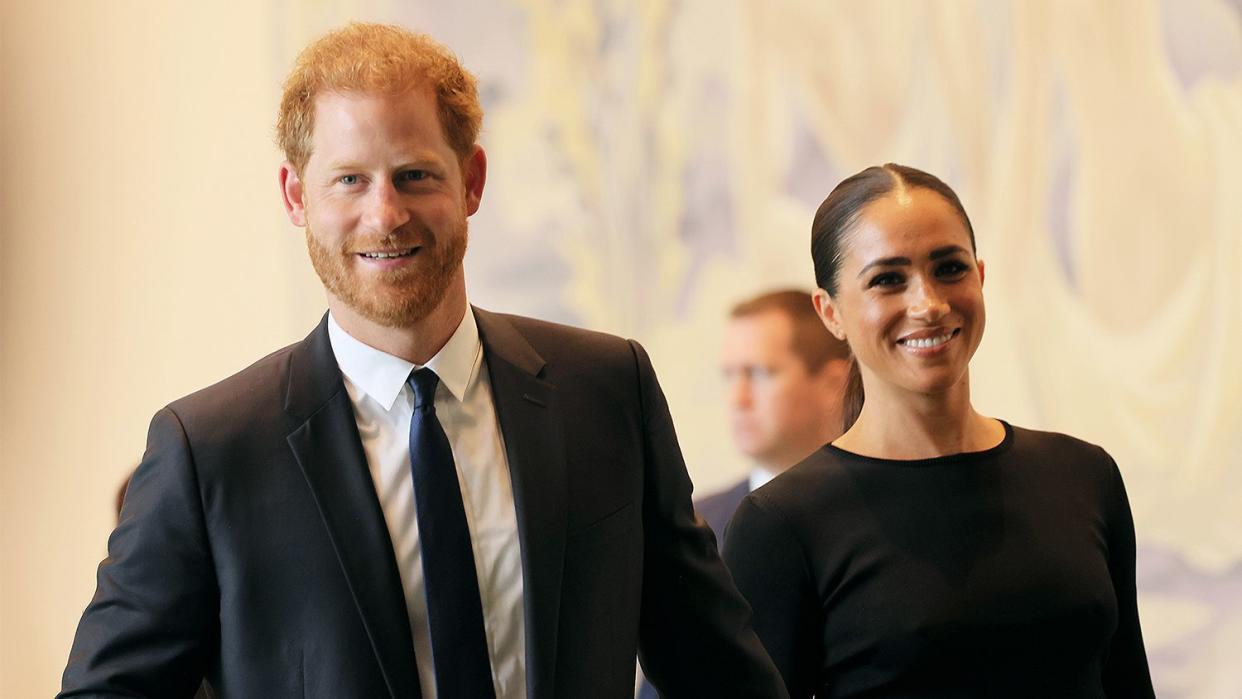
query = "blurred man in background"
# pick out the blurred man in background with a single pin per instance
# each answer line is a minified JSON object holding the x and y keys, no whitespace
{"x":784,"y":373}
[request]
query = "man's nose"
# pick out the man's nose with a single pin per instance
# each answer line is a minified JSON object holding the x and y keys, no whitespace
{"x":927,"y":303}
{"x":739,"y":391}
{"x":385,"y":212}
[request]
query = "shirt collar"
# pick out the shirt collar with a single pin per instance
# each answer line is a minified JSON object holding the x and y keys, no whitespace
{"x":759,"y":476}
{"x":381,"y":375}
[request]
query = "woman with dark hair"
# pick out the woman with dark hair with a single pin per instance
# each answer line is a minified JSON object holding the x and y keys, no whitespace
{"x":932,"y":551}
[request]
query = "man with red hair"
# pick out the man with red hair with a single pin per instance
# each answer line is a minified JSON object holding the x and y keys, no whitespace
{"x":422,"y":498}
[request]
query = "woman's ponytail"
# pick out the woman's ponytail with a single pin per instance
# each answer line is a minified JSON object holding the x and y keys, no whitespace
{"x":851,"y":397}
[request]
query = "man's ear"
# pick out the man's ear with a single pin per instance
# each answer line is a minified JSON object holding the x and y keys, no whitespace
{"x":829,"y":314}
{"x":293,"y":194}
{"x":474,"y":176}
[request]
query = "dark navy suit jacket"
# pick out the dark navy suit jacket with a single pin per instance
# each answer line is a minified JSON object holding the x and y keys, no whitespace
{"x":716,"y":509}
{"x":252,"y":549}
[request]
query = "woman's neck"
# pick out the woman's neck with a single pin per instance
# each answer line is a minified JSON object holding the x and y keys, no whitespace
{"x":897,"y":424}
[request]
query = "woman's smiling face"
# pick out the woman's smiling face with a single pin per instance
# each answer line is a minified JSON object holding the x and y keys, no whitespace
{"x":909,"y":297}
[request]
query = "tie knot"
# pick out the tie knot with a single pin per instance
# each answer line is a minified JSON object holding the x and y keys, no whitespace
{"x":423,"y":382}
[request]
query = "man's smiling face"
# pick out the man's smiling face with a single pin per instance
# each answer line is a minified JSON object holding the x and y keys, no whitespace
{"x":384,"y":199}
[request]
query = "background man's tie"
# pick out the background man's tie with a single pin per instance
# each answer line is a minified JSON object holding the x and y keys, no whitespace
{"x":454,"y":612}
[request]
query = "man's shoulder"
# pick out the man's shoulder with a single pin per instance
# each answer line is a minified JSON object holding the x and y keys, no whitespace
{"x":546,"y":335}
{"x":563,"y":349}
{"x":592,"y":371}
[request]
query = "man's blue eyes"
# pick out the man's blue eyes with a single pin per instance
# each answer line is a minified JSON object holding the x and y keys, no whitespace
{"x":406,"y":176}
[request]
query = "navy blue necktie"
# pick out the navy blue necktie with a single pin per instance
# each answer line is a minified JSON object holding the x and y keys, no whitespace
{"x":454,"y":612}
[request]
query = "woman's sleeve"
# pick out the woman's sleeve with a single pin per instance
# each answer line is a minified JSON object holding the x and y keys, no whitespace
{"x":1125,"y":669}
{"x":771,"y":569}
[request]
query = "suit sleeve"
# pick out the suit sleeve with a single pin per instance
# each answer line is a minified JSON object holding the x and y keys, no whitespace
{"x":695,"y":637}
{"x":148,"y":630}
{"x":771,"y":571}
{"x":1126,"y":673}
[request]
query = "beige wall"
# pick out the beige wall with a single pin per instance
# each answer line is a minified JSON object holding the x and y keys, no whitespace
{"x":144,"y":255}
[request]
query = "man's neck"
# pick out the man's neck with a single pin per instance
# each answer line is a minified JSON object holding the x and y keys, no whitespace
{"x":417,"y":342}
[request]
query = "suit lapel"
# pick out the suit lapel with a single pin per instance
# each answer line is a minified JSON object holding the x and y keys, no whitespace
{"x":530,"y":424}
{"x":327,"y":447}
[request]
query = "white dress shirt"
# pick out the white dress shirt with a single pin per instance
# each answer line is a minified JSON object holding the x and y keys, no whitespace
{"x":759,"y":476}
{"x":383,"y":406}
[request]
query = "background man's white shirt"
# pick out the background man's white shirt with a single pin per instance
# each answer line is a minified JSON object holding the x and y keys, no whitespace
{"x":759,"y":476}
{"x":383,"y":406}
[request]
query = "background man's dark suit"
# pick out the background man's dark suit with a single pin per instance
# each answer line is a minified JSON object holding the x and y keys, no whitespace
{"x":252,"y":547}
{"x":718,"y":508}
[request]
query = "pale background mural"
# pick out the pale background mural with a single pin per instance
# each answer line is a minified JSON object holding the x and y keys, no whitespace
{"x":650,"y":164}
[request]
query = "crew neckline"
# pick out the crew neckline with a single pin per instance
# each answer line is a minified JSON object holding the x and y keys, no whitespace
{"x":965,"y":456}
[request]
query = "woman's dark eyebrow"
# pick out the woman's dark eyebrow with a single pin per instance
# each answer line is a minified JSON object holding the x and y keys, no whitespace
{"x":885,"y":262}
{"x":945,"y":251}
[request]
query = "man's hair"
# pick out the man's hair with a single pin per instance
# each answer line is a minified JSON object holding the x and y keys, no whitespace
{"x":811,"y":340}
{"x":372,"y":58}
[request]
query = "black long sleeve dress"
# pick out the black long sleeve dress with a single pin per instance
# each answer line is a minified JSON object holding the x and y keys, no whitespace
{"x":1002,"y":573}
